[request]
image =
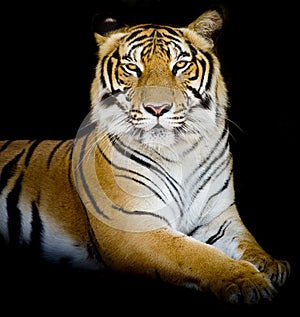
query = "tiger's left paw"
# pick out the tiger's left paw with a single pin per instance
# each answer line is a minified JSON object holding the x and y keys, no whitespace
{"x":277,"y":270}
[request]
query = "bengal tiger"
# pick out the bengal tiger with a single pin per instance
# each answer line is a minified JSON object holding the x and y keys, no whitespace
{"x":146,"y":186}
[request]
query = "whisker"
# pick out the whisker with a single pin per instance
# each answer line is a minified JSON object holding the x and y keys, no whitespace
{"x":231,"y":122}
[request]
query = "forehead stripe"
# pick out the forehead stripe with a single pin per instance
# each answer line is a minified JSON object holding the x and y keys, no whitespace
{"x":133,"y":35}
{"x":175,"y":33}
{"x":140,"y":43}
{"x":144,"y":44}
{"x":172,"y":38}
{"x":137,"y":38}
{"x":148,"y":43}
{"x":183,"y":54}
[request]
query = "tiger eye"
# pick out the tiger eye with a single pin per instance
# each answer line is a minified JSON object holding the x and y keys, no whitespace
{"x":181,"y":64}
{"x":131,"y":67}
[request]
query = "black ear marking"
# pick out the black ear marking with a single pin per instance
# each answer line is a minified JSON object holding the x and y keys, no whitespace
{"x":103,"y":26}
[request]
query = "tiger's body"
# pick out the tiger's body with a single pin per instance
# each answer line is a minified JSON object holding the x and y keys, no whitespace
{"x":146,"y":187}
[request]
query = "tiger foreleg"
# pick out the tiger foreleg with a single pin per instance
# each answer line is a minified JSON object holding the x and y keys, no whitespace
{"x":181,"y":260}
{"x":236,"y":241}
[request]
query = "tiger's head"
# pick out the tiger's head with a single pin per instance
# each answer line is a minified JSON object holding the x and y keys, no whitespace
{"x":159,"y":83}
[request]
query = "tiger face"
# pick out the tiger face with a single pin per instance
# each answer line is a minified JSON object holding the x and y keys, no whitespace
{"x":159,"y":84}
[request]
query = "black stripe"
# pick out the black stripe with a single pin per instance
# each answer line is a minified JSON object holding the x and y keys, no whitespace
{"x":69,"y":151}
{"x":147,"y":43}
{"x":141,"y":213}
{"x":213,"y":239}
{"x":109,"y":69}
{"x":102,"y":78}
{"x":225,"y":162}
{"x":205,"y":100}
{"x":5,"y":145}
{"x":207,"y":66}
{"x":160,"y":172}
{"x":175,"y":40}
{"x":138,"y":38}
{"x":210,"y":71}
{"x":84,"y":183}
{"x":85,"y":129}
{"x":14,"y":214}
{"x":147,"y":46}
{"x":209,"y":156}
{"x":191,"y":233}
{"x":53,"y":151}
{"x":132,"y":172}
{"x":92,"y":247}
{"x":163,"y":157}
{"x":204,"y":70}
{"x":146,"y":26}
{"x":225,"y":185}
{"x":36,"y":231}
{"x":30,"y":152}
{"x":106,"y":96}
{"x":192,"y":147}
{"x":194,"y":53}
{"x":133,"y":35}
{"x":117,"y":57}
{"x":112,"y":100}
{"x":177,"y":33}
{"x":143,"y":184}
{"x":183,"y":54}
{"x":141,"y":40}
{"x":196,"y":76}
{"x":158,"y":169}
{"x":9,"y":170}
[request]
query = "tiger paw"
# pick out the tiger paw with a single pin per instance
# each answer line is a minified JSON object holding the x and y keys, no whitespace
{"x":244,"y":284}
{"x":278,"y":271}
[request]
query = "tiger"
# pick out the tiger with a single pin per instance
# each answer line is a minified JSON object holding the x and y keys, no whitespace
{"x":146,"y":187}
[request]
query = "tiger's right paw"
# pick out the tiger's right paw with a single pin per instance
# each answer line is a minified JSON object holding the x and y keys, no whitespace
{"x":242,"y":283}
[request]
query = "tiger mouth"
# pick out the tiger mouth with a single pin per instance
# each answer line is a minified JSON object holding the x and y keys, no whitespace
{"x":160,"y":133}
{"x":158,"y":130}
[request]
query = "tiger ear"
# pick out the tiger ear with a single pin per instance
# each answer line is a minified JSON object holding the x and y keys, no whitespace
{"x":208,"y":25}
{"x":103,"y":27}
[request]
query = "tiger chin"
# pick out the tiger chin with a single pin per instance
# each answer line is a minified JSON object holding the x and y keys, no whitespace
{"x":146,"y":186}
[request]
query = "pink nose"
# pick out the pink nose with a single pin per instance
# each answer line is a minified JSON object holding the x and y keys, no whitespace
{"x":157,"y":110}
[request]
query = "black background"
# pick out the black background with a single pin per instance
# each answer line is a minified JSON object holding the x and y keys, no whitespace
{"x":48,"y":56}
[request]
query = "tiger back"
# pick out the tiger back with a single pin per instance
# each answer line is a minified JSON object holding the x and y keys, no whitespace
{"x":146,"y":186}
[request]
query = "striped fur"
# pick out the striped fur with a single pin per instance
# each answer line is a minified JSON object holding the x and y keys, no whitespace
{"x":146,"y":187}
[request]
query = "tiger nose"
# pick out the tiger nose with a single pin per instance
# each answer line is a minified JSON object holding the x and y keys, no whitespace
{"x":157,"y":110}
